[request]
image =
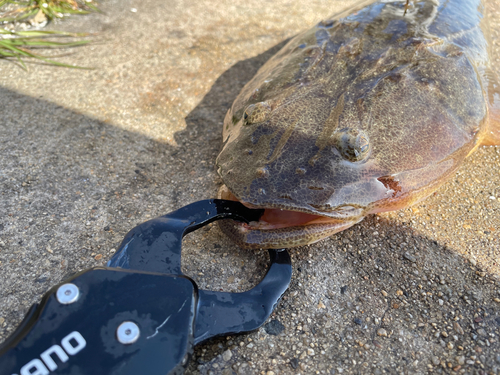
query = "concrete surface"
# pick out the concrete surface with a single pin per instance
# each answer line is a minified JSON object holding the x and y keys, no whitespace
{"x":85,"y":156}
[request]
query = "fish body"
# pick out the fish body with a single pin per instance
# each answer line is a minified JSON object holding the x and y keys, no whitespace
{"x":369,"y":111}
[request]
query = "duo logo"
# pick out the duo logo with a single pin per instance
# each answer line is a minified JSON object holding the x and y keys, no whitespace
{"x":71,"y":345}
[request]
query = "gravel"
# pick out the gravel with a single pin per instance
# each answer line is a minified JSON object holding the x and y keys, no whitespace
{"x":274,"y":327}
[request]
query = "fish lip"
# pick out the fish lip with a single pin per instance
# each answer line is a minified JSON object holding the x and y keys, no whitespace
{"x":342,"y":213}
{"x":248,"y":237}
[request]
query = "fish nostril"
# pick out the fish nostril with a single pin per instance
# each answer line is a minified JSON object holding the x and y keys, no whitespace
{"x":262,"y":172}
{"x":300,"y":171}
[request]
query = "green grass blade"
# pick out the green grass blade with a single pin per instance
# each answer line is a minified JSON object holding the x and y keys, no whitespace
{"x":46,"y":44}
{"x":19,"y":52}
{"x":19,"y":17}
{"x":16,"y":50}
{"x":41,"y":33}
{"x":21,"y":62}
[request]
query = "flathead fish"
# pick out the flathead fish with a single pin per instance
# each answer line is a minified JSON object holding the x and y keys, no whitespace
{"x":369,"y":111}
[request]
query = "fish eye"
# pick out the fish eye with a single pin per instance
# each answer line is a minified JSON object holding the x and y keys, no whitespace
{"x":255,"y":113}
{"x":353,"y":144}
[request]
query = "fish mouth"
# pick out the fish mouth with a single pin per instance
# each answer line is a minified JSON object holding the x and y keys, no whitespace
{"x":281,"y":228}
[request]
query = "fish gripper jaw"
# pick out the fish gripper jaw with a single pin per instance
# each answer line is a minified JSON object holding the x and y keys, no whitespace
{"x":141,"y":314}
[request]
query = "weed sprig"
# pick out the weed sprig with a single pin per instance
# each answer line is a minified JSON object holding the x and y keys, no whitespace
{"x":20,"y":45}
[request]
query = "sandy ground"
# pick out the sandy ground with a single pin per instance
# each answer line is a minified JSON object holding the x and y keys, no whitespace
{"x":87,"y":155}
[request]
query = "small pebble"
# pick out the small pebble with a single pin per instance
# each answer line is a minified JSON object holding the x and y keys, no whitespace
{"x":458,"y":329}
{"x":226,"y":356}
{"x":384,"y":293}
{"x":409,"y":257}
{"x":382,"y":332}
{"x":274,"y":327}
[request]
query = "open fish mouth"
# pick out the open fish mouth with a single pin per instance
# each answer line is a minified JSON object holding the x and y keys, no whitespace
{"x":280,"y":228}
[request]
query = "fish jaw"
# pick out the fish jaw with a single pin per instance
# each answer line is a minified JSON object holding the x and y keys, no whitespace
{"x":280,"y":228}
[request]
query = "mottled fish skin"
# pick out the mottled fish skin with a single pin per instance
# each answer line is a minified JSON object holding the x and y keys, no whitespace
{"x":369,"y":111}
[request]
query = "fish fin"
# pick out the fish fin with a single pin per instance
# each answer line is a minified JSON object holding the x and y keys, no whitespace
{"x":491,"y":135}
